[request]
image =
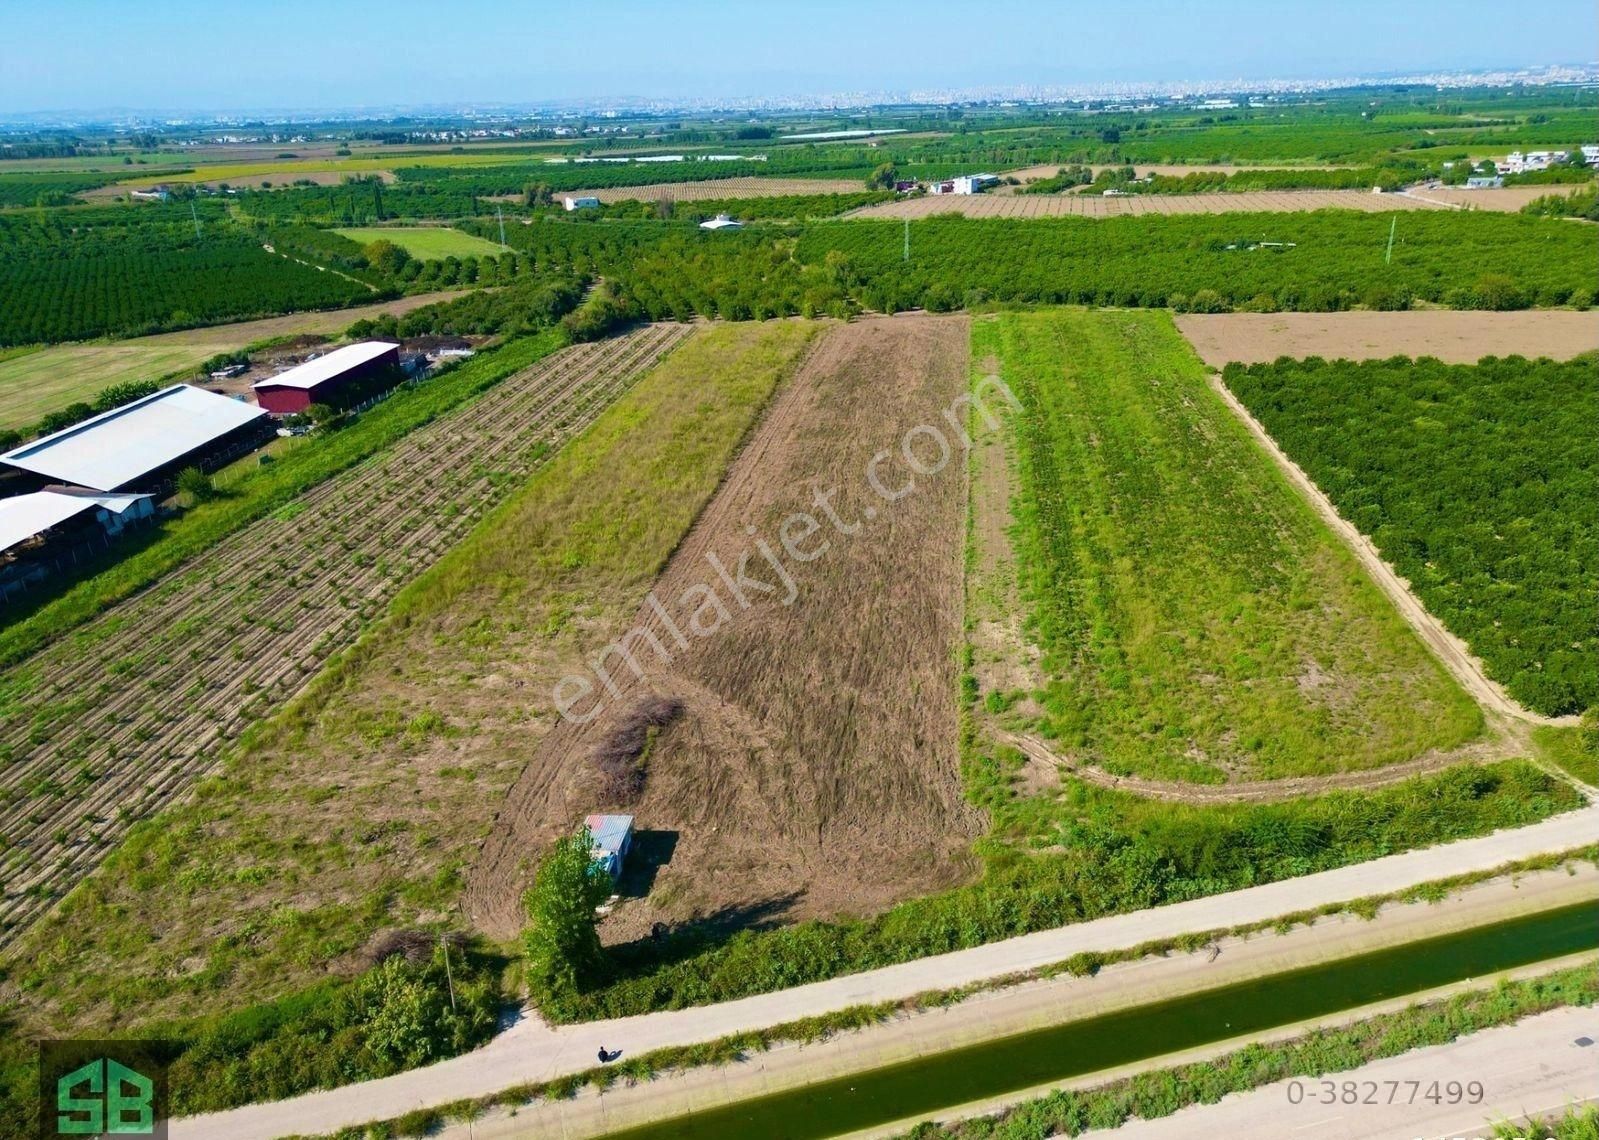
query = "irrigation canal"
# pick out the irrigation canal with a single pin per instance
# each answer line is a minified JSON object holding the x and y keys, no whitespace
{"x":945,"y":1080}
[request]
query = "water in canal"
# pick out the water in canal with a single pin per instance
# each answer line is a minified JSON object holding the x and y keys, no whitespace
{"x":944,"y":1080}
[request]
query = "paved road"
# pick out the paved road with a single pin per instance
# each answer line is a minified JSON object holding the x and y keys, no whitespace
{"x":1531,"y":1069}
{"x":532,"y":1051}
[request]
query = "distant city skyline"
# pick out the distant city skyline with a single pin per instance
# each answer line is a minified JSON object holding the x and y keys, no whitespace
{"x":186,"y":56}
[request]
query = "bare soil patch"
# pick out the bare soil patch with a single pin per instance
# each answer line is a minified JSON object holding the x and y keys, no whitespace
{"x":1504,"y":199}
{"x":1099,"y":206}
{"x":1451,"y":335}
{"x":814,"y":768}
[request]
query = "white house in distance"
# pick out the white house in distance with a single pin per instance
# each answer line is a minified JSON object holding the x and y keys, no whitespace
{"x":1517,"y":163}
{"x":963,"y":184}
{"x":586,"y":202}
{"x":721,"y":222}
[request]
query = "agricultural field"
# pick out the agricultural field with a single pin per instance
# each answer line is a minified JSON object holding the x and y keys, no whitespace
{"x":83,"y":273}
{"x":364,"y":800}
{"x":712,"y":189}
{"x":426,"y":243}
{"x":811,"y":767}
{"x":1480,"y":484}
{"x":1135,"y":205}
{"x":1455,"y":337}
{"x":1312,"y":261}
{"x":1169,"y":170}
{"x":1157,"y":602}
{"x":50,"y":189}
{"x":46,"y":380}
{"x":116,"y":721}
{"x":1505,"y":199}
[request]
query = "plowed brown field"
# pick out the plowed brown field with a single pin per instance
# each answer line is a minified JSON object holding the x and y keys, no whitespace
{"x":1504,"y":199}
{"x":814,"y":769}
{"x":1450,"y":335}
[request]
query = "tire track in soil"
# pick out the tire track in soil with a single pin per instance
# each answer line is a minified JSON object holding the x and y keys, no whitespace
{"x":242,"y":628}
{"x":1254,"y":791}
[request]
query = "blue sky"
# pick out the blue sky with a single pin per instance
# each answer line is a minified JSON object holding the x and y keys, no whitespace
{"x":63,"y":54}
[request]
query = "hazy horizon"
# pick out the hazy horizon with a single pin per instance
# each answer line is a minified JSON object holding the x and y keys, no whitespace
{"x":83,"y":55}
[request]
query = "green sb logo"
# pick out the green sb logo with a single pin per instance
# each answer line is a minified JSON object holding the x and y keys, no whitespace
{"x":107,"y":1097}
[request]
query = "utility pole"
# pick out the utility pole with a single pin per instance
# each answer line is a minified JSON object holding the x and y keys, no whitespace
{"x":501,"y":216}
{"x":907,"y":255}
{"x":195,"y":215}
{"x":1388,"y":257}
{"x":448,"y":977}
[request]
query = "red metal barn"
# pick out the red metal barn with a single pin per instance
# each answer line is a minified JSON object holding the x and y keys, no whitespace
{"x":339,"y":379}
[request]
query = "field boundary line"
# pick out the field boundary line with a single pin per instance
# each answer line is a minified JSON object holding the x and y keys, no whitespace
{"x":1450,"y":650}
{"x":1261,"y":791}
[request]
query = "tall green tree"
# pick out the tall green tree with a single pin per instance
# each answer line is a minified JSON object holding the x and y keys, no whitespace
{"x":562,"y":943}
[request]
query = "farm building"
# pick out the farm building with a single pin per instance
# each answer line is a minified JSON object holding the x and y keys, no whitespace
{"x":964,"y":184}
{"x":584,"y":203}
{"x":613,"y":836}
{"x":144,"y":443}
{"x":722,"y":222}
{"x":341,"y":378}
{"x":36,"y":515}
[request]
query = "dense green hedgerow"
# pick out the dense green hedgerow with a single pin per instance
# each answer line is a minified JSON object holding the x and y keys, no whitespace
{"x":404,"y":1012}
{"x":1120,"y":853}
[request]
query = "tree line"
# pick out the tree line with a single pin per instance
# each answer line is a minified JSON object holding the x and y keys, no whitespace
{"x":1312,"y":261}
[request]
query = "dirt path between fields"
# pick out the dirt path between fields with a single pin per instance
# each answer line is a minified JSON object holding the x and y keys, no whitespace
{"x":1497,"y":747}
{"x":1448,"y":648}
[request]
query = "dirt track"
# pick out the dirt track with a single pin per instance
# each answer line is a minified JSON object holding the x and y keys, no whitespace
{"x":1449,"y":649}
{"x":1451,"y":335}
{"x":1264,"y":791}
{"x":814,"y":769}
{"x":111,"y":724}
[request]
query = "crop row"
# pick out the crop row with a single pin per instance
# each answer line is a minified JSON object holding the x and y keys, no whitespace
{"x":120,"y":719}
